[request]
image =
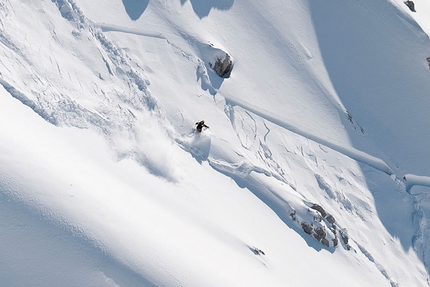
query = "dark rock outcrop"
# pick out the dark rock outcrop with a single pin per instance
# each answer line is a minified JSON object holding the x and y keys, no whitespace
{"x":330,"y":219}
{"x":344,"y":236}
{"x":223,"y":66}
{"x":319,"y":209}
{"x":307,"y":228}
{"x":257,"y":251}
{"x":319,"y":234}
{"x":411,"y":5}
{"x":335,"y":242}
{"x":323,"y":213}
{"x":325,"y":242}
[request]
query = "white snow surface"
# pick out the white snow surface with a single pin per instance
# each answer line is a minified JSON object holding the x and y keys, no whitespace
{"x":322,"y":128}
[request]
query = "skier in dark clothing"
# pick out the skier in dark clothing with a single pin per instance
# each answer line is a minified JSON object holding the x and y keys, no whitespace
{"x":201,"y":125}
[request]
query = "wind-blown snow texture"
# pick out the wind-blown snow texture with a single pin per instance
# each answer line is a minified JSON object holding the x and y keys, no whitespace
{"x":314,"y":170}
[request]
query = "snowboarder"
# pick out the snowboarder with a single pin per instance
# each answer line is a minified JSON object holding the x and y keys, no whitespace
{"x":201,"y":125}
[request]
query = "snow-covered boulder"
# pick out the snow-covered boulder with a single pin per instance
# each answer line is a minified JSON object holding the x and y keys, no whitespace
{"x":222,"y":65}
{"x":218,"y":60}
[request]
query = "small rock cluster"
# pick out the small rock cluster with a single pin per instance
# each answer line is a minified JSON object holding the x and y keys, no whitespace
{"x":257,"y":251}
{"x":320,"y":233}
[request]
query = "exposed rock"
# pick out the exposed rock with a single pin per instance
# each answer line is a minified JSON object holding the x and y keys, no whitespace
{"x":257,"y":251}
{"x":222,"y":66}
{"x":328,"y":232}
{"x":318,"y":218}
{"x":344,"y":237}
{"x":349,"y":248}
{"x":218,"y":59}
{"x":323,"y":213}
{"x":307,"y":228}
{"x":293,"y":215}
{"x":330,"y":219}
{"x":319,"y":234}
{"x":325,"y":242}
{"x":411,"y":5}
{"x":319,"y":209}
{"x":333,"y":231}
{"x":335,"y":241}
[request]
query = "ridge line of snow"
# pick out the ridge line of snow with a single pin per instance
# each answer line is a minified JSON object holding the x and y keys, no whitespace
{"x":114,"y":28}
{"x":351,"y":152}
{"x":411,"y":180}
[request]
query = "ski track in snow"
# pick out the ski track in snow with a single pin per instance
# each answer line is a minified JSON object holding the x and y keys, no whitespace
{"x":351,"y":152}
{"x":286,"y":209}
{"x":245,"y":173}
{"x":201,"y":151}
{"x":348,"y":151}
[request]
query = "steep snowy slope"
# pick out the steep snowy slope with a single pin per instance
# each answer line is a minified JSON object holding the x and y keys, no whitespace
{"x":293,"y":184}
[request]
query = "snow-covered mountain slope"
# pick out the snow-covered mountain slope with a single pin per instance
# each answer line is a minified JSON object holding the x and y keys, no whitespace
{"x":298,"y":181}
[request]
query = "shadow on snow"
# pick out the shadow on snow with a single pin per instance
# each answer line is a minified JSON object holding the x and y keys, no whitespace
{"x":202,"y":8}
{"x":135,"y":8}
{"x":367,"y":68}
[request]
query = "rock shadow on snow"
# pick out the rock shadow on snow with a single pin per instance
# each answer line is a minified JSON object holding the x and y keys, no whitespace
{"x":202,"y":8}
{"x":210,"y":81}
{"x":135,"y":8}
